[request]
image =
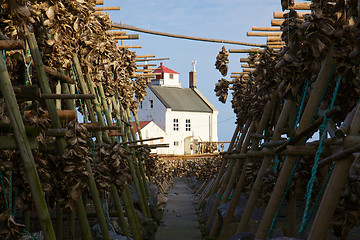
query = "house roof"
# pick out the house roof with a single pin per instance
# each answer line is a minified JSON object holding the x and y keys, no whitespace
{"x":142,"y":125}
{"x":180,"y":99}
{"x":163,"y":69}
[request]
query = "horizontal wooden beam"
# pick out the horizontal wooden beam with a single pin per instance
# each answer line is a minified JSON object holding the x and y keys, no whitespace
{"x":301,"y":6}
{"x":152,"y":59}
{"x":9,"y":143}
{"x":146,"y":56}
{"x":128,"y":46}
{"x":133,"y":28}
{"x":277,"y":22}
{"x":276,"y":46}
{"x":117,"y":32}
{"x":276,"y":43}
{"x":266,"y":29}
{"x":11,"y":44}
{"x":129,"y":36}
{"x":144,"y":70}
{"x":107,"y":8}
{"x":240,"y":75}
{"x":256,"y":50}
{"x":147,"y":74}
{"x":248,"y":69}
{"x":263,"y":34}
{"x":146,"y":65}
{"x":243,"y":66}
{"x":244,"y":60}
{"x":281,"y":14}
{"x":99,"y":2}
{"x":67,"y":96}
{"x":273,"y":39}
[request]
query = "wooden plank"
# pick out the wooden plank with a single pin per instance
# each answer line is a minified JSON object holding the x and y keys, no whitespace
{"x":117,"y":32}
{"x":128,"y":36}
{"x":281,"y":14}
{"x":11,"y":44}
{"x":277,"y":22}
{"x":263,"y":34}
{"x":146,"y":56}
{"x":128,"y":46}
{"x":152,"y":59}
{"x":107,"y":8}
{"x":265,"y":29}
{"x":252,"y":50}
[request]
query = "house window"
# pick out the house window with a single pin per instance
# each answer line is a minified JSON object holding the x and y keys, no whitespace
{"x":151,"y":103}
{"x":176,"y":124}
{"x":171,"y":76}
{"x":176,"y":143}
{"x":187,"y":125}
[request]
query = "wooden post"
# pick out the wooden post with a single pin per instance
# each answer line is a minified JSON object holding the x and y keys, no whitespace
{"x":256,"y":189}
{"x":59,"y":221}
{"x":229,"y":176}
{"x":319,"y":229}
{"x":84,"y":224}
{"x":25,"y":152}
{"x":45,"y":87}
{"x":105,"y":107}
{"x":132,"y":217}
{"x":284,"y":175}
{"x":136,"y":162}
{"x":119,"y":210}
{"x":240,"y":185}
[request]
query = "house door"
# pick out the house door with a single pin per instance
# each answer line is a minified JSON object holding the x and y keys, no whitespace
{"x":187,"y":142}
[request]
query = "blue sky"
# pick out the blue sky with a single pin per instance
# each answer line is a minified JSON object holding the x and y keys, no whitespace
{"x":225,"y":19}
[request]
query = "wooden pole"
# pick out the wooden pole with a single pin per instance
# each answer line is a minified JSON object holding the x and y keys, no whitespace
{"x":256,"y":189}
{"x":119,"y":210}
{"x":263,"y":34}
{"x":240,"y":185}
{"x":85,"y":90}
{"x":133,"y":28}
{"x":26,"y":154}
{"x":132,"y":217}
{"x":228,"y":177}
{"x":309,"y":111}
{"x":265,"y":29}
{"x":252,"y":50}
{"x":319,"y":229}
{"x":107,"y":8}
{"x":11,"y":44}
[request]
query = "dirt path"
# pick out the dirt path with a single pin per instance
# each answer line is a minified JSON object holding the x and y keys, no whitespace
{"x":180,"y":220}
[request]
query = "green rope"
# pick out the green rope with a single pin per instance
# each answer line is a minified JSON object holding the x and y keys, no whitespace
{"x":323,"y":133}
{"x":3,"y":187}
{"x":26,"y":233}
{"x":277,"y":161}
{"x":283,"y":197}
{"x":27,"y":74}
{"x":10,"y":192}
{"x":301,"y":231}
{"x":105,"y":207}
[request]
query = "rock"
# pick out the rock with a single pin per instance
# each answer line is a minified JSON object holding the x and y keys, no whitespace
{"x":148,"y":226}
{"x":161,"y":200}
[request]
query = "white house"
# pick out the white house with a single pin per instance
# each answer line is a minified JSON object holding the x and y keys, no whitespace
{"x":183,"y":114}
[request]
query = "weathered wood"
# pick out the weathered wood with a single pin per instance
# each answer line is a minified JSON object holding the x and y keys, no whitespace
{"x":340,"y":155}
{"x":9,"y":143}
{"x":309,"y":111}
{"x":63,"y":115}
{"x":133,"y":28}
{"x":146,"y":56}
{"x":276,"y":22}
{"x":119,"y":210}
{"x":129,"y":46}
{"x":273,"y":39}
{"x":281,"y":14}
{"x":146,"y":65}
{"x":67,"y":96}
{"x":339,"y":176}
{"x":117,"y":32}
{"x":11,"y":44}
{"x":26,"y":154}
{"x":256,"y":189}
{"x":151,"y":59}
{"x":107,"y":8}
{"x":263,"y":34}
{"x":265,"y":29}
{"x":99,"y":2}
{"x":252,"y":50}
{"x":307,"y":130}
{"x":301,"y":6}
{"x":128,"y":36}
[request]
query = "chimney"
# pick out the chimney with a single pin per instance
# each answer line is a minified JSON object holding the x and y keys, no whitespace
{"x":192,"y":76}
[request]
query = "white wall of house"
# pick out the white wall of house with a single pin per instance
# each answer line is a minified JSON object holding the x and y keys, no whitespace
{"x":152,"y":130}
{"x":200,"y":128}
{"x":155,"y":113}
{"x":171,"y":82}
